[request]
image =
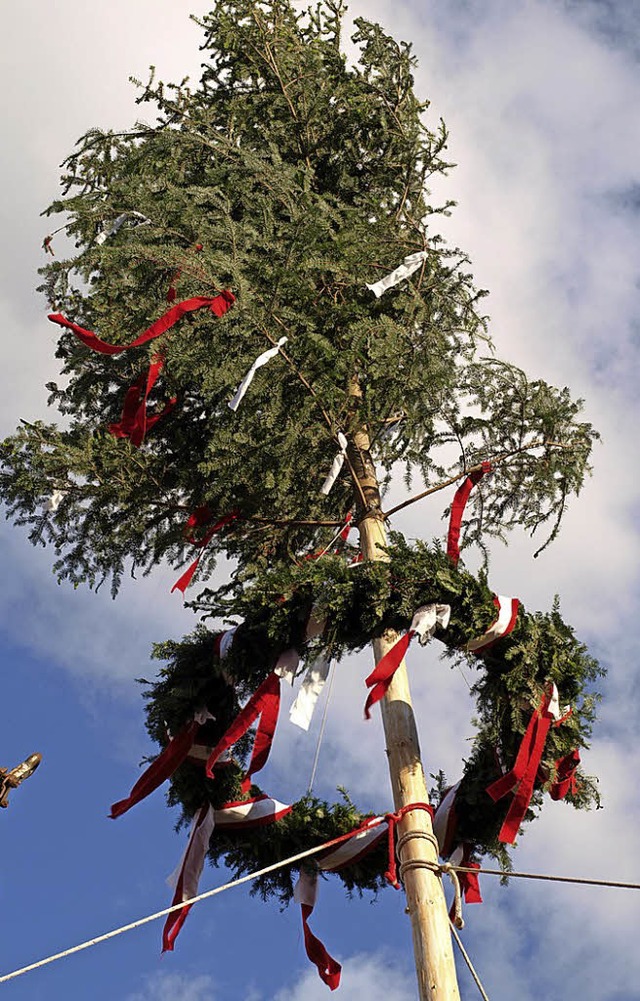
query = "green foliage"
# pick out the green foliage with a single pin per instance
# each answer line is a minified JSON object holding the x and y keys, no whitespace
{"x":302,"y":178}
{"x":360,"y":601}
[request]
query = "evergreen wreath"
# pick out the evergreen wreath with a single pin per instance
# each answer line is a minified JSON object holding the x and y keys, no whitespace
{"x":362,"y":601}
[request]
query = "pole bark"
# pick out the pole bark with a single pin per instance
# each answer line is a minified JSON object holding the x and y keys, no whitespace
{"x":426,"y":905}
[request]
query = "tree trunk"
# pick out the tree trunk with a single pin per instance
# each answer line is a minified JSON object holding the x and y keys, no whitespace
{"x":426,"y":904}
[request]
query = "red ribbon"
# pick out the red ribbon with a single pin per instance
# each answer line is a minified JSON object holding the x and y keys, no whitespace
{"x":162,"y":768}
{"x":457,"y":510}
{"x":201,"y":516}
{"x":329,"y":969}
{"x":135,"y":422}
{"x":469,"y":882}
{"x":218,"y":305}
{"x":265,"y":704}
{"x":522,"y":776}
{"x":565,"y":781}
{"x":393,"y":819}
{"x":382,"y":674}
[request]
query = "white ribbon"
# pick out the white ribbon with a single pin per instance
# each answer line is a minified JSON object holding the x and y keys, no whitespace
{"x":117,"y":224}
{"x":444,"y":820}
{"x":287,"y":665}
{"x":261,"y":360}
{"x":425,"y":620}
{"x":405,"y":270}
{"x":54,"y":502}
{"x":301,"y":711}
{"x":554,"y":705}
{"x":336,"y":466}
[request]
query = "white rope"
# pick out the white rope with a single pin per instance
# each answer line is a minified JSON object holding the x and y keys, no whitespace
{"x":322,"y":728}
{"x":169,"y":910}
{"x":468,"y":961}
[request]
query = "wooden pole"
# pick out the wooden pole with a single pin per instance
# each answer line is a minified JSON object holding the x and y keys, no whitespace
{"x":426,"y":905}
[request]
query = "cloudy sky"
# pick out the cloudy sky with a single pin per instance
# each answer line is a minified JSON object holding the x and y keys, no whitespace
{"x":541,"y":99}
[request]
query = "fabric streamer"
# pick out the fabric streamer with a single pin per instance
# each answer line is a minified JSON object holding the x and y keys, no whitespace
{"x":408,"y":267}
{"x":264,"y":705}
{"x":301,"y":711}
{"x":187,"y":876}
{"x":521,"y":779}
{"x":423,"y":625}
{"x":305,"y":893}
{"x":54,"y":501}
{"x":248,"y":813}
{"x":218,"y":305}
{"x":336,"y":465}
{"x":117,"y":224}
{"x":135,"y":422}
{"x":445,"y":821}
{"x":507,"y":615}
{"x":565,"y":780}
{"x":201,"y":516}
{"x":460,"y":499}
{"x":261,"y":360}
{"x":349,"y":852}
{"x":161,"y":768}
{"x":469,"y":882}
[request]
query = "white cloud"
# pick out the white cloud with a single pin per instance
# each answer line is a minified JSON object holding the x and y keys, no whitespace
{"x":175,"y":987}
{"x":375,"y":977}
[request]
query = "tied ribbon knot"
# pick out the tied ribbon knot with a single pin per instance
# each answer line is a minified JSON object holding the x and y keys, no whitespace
{"x":393,"y":819}
{"x":565,"y":780}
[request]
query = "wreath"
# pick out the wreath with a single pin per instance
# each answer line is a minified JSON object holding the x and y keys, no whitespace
{"x":357,"y":602}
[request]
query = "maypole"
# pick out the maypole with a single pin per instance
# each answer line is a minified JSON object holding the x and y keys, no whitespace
{"x":417,"y":846}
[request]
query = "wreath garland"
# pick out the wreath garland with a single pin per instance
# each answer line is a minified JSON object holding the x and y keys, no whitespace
{"x":361,"y":601}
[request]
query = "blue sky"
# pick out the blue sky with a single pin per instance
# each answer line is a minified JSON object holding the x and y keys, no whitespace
{"x":541,"y":100}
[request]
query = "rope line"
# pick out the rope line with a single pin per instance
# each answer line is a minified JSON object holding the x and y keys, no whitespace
{"x":551,"y":879}
{"x":290,"y":861}
{"x":323,"y":724}
{"x":175,"y":907}
{"x":465,"y":956}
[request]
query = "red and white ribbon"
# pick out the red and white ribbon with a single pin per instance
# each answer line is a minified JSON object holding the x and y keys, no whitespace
{"x":117,"y":224}
{"x":336,"y":465}
{"x":522,"y":777}
{"x":218,"y":305}
{"x":351,"y":851}
{"x":445,"y":821}
{"x":187,"y":876}
{"x":423,"y":625}
{"x":469,"y":882}
{"x":245,"y":814}
{"x":507,"y":615}
{"x":408,"y":267}
{"x":261,"y":360}
{"x":305,"y":893}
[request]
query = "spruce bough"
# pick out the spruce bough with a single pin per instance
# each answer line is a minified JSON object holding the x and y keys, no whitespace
{"x":293,"y":179}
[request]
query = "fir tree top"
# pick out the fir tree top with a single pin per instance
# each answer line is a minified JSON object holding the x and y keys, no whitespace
{"x":293,"y":179}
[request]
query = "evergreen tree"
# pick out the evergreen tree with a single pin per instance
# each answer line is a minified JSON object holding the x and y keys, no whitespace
{"x":293,"y":179}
